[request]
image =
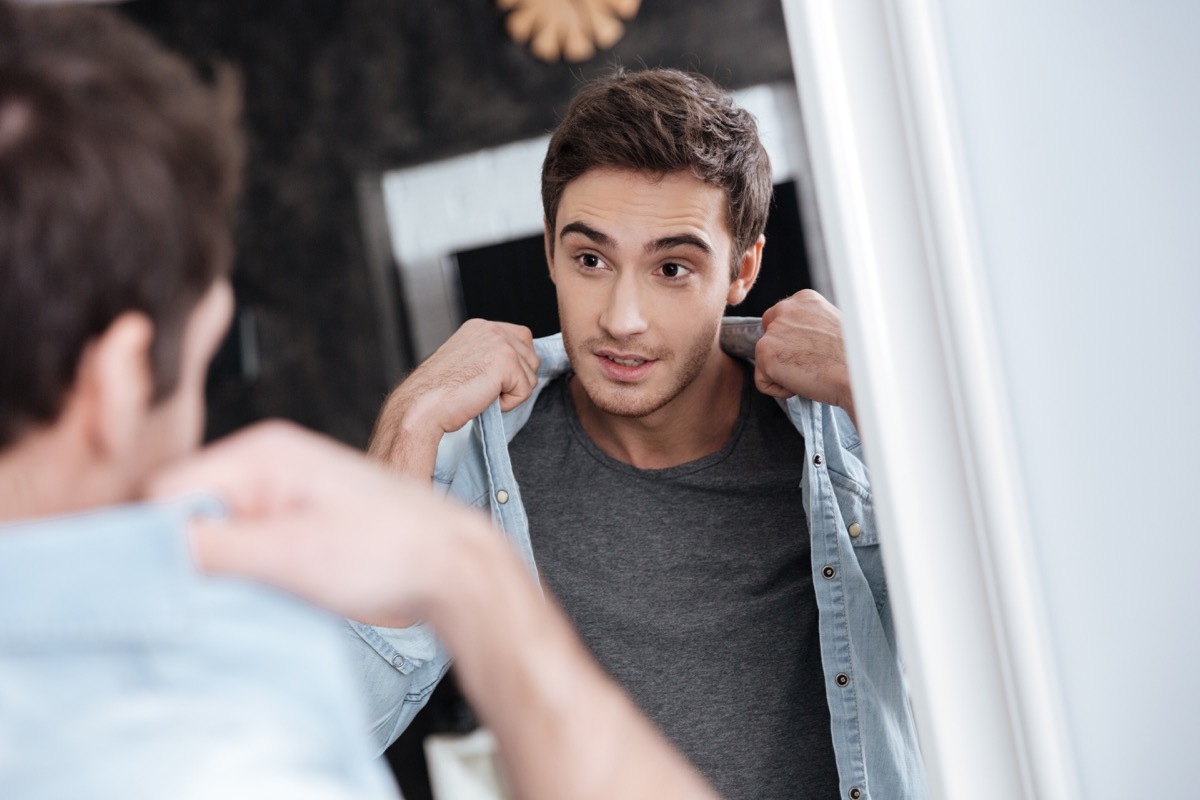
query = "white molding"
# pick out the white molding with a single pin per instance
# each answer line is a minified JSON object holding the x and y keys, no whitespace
{"x":437,"y":209}
{"x":985,"y":417}
{"x":902,"y":248}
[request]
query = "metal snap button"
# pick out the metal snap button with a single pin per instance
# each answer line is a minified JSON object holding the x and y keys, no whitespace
{"x":855,"y":529}
{"x":828,"y":572}
{"x":855,"y":793}
{"x":842,"y":679}
{"x":501,"y":497}
{"x":817,"y":460}
{"x":398,"y":661}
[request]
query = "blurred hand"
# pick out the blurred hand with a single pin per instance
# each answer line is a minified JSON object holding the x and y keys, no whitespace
{"x":321,"y":521}
{"x":801,"y":352}
{"x":482,"y":361}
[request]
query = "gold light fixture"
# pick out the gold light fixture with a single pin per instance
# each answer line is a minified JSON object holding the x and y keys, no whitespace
{"x":567,"y":30}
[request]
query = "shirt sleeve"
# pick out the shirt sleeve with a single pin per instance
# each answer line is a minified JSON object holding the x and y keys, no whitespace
{"x":399,"y":668}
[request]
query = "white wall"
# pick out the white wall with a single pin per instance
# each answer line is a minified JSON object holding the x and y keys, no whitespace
{"x":1080,"y":129}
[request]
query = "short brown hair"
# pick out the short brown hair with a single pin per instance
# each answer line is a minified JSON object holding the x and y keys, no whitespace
{"x":663,"y":121}
{"x":118,"y":171}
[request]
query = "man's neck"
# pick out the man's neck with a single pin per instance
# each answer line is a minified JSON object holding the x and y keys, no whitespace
{"x":697,"y":422}
{"x":38,"y":478}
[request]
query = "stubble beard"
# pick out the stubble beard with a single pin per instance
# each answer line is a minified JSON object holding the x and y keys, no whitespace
{"x":636,"y":401}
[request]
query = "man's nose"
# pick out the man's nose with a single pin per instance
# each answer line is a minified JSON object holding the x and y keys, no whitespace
{"x":623,"y":315}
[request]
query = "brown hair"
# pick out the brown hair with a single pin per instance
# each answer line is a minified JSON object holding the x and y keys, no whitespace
{"x":663,"y":121}
{"x":118,"y":171}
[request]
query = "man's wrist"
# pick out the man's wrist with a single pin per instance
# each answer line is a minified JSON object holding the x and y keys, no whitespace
{"x":406,"y":437}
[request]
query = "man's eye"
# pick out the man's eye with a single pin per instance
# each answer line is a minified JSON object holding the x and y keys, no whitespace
{"x":589,"y":260}
{"x":674,"y":270}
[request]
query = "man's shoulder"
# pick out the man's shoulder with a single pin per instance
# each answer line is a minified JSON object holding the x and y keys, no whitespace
{"x":210,"y":681}
{"x":125,"y":575}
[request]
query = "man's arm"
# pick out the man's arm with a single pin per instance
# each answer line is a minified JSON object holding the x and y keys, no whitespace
{"x":480,"y":362}
{"x":801,"y":352}
{"x":316,"y":519}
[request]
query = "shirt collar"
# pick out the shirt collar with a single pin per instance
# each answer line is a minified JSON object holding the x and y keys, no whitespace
{"x":119,"y":574}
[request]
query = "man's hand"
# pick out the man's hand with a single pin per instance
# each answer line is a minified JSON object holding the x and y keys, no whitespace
{"x":321,"y":521}
{"x":801,"y":352}
{"x":480,"y":362}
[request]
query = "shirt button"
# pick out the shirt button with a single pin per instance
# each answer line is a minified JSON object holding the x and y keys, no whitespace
{"x":501,"y":497}
{"x":828,"y":572}
{"x":817,"y":460}
{"x":855,"y":793}
{"x":842,"y":679}
{"x":855,"y":529}
{"x":398,"y":661}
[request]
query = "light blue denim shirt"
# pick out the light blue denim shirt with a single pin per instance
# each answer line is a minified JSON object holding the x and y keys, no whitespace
{"x":873,"y":735}
{"x":124,"y":673}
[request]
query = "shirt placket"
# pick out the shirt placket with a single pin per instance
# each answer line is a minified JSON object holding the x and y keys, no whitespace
{"x":504,"y":496}
{"x":829,"y":585}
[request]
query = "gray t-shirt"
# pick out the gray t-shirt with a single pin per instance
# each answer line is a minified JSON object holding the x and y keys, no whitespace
{"x":692,"y":586}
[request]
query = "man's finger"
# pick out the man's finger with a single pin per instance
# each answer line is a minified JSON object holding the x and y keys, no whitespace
{"x":769,"y":315}
{"x":525,"y":335}
{"x":530,"y":371}
{"x":518,"y":386}
{"x":219,"y":467}
{"x":234,"y":547}
{"x":279,"y":550}
{"x":769,"y":387}
{"x":240,"y":467}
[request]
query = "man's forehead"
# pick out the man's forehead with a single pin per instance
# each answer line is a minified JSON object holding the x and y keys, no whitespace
{"x":625,"y":203}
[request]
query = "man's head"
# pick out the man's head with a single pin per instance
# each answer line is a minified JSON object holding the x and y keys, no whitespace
{"x":656,"y":190}
{"x":118,"y":170}
{"x":657,"y":122}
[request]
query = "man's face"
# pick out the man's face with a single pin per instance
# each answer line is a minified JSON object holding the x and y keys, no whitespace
{"x":175,"y":426}
{"x":642,"y":269}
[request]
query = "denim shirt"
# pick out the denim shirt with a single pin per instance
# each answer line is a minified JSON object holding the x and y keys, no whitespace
{"x":873,"y":735}
{"x":125,"y":673}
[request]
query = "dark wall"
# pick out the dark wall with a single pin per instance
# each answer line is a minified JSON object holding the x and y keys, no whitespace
{"x":339,"y":88}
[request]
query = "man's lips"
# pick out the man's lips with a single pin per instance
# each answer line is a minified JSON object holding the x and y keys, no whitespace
{"x":624,"y":367}
{"x":624,"y":359}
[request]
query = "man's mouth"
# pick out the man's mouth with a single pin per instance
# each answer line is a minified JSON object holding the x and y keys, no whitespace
{"x":624,"y":366}
{"x":624,"y":359}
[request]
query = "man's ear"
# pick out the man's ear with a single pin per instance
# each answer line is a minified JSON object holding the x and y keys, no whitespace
{"x":747,"y":273}
{"x":114,"y":386}
{"x":548,"y":244}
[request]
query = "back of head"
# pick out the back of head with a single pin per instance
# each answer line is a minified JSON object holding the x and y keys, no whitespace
{"x":661,"y":121}
{"x":118,"y":170}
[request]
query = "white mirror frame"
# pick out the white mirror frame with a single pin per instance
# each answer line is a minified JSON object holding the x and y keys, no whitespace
{"x":900,"y":236}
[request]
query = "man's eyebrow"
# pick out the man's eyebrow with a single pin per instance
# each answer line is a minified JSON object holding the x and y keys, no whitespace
{"x":596,"y":236}
{"x":684,"y":239}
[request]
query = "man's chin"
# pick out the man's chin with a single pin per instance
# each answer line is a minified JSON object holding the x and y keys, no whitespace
{"x":629,"y":402}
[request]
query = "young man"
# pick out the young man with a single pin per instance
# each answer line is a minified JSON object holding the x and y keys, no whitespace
{"x":125,"y":672}
{"x":716,"y":547}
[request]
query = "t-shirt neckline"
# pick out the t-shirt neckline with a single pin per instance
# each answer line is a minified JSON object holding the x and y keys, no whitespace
{"x":665,"y":473}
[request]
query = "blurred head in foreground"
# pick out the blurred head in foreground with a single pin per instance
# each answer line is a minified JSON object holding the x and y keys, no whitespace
{"x":118,"y":171}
